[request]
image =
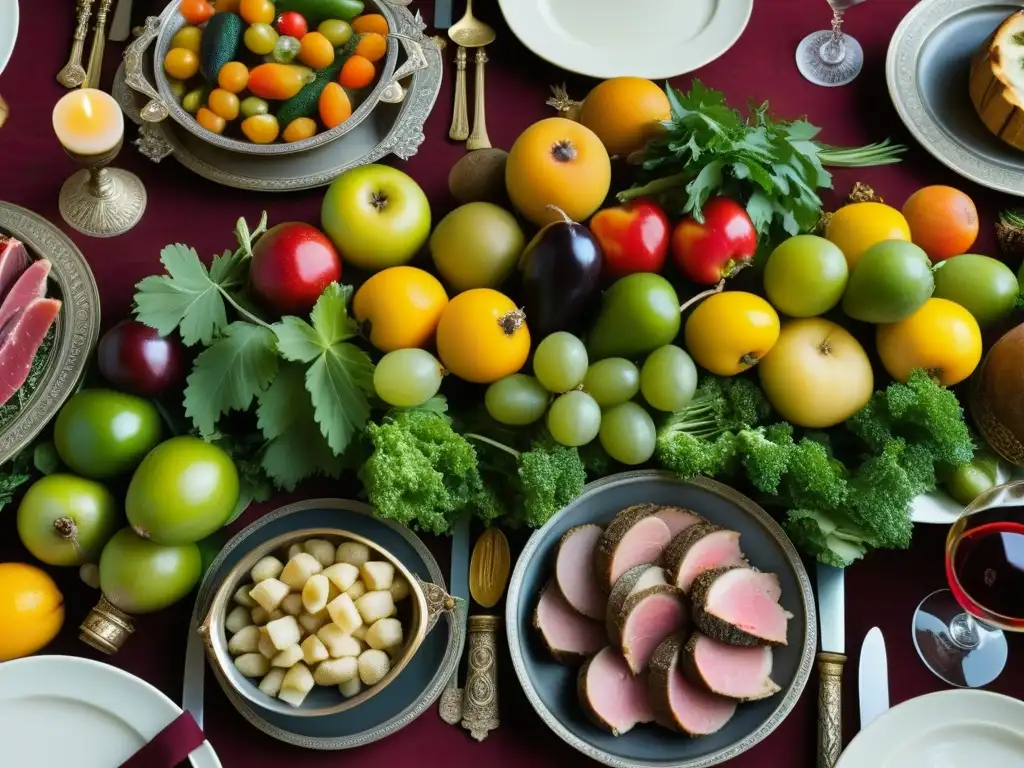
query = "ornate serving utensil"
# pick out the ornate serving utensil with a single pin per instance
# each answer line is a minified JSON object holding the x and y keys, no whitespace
{"x":73,"y":73}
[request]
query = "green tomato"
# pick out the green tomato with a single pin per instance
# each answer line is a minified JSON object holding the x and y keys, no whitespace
{"x":183,"y":491}
{"x":193,"y":100}
{"x":252,"y":105}
{"x":261,"y":39}
{"x":102,"y":434}
{"x":139,"y":576}
{"x":805,"y":276}
{"x":336,"y":31}
{"x":66,"y":520}
{"x":177,"y":88}
{"x":971,"y":480}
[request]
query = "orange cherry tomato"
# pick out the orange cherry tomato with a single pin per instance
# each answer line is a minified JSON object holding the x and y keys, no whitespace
{"x":482,"y":336}
{"x":357,"y":72}
{"x":227,"y":6}
{"x":372,"y":46}
{"x":210,"y":120}
{"x":299,"y":129}
{"x":371,"y":22}
{"x":334,"y":106}
{"x":277,"y":81}
{"x":316,"y":50}
{"x":261,"y":129}
{"x":223,"y":103}
{"x":731,"y":331}
{"x":256,"y":11}
{"x":196,"y":12}
{"x":233,"y":76}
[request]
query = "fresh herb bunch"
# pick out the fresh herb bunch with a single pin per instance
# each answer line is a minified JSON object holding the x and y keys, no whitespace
{"x":773,"y":167}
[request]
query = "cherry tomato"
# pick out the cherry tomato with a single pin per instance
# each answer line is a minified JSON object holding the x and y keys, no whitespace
{"x":292,"y":24}
{"x":337,"y":31}
{"x":210,"y":120}
{"x":357,"y":72}
{"x":196,"y":12}
{"x":300,"y":128}
{"x":181,"y":63}
{"x":223,"y":104}
{"x":256,"y":11}
{"x":233,"y":76}
{"x":260,"y":129}
{"x":187,"y":37}
{"x":260,"y":39}
{"x":316,"y":51}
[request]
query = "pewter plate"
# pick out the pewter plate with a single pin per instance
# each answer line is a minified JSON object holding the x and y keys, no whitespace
{"x":77,"y":326}
{"x":551,"y":687}
{"x":415,"y":689}
{"x":928,"y":70}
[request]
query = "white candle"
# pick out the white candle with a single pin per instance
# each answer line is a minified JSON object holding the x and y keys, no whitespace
{"x":88,"y":122}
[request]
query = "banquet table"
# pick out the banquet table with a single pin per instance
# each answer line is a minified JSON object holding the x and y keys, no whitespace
{"x":882,"y":590}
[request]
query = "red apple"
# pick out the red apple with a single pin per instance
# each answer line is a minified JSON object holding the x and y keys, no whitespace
{"x":291,"y":265}
{"x":717,"y":248}
{"x":634,"y":237}
{"x":136,"y":359}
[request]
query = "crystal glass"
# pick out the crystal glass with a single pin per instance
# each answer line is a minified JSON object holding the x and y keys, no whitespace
{"x":829,"y":57}
{"x":958,"y":631}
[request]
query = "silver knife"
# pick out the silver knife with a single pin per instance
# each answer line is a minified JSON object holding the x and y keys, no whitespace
{"x":873,"y":677}
{"x":831,"y":615}
{"x":458,"y":587}
{"x":121,"y":26}
{"x":442,"y":14}
{"x":195,"y":668}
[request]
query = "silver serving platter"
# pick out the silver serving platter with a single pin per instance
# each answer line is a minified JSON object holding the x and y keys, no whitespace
{"x":927,"y":70}
{"x":390,"y":129}
{"x":77,"y":325}
{"x":551,"y":687}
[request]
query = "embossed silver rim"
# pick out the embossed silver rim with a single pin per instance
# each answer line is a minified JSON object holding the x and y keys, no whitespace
{"x":796,"y":686}
{"x":78,"y":325}
{"x":901,"y":76}
{"x":456,"y":634}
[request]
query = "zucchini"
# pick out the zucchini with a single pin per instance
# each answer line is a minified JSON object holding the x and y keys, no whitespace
{"x":222,"y":38}
{"x":305,"y":102}
{"x":316,"y":11}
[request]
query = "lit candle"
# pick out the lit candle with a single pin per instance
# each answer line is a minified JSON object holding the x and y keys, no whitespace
{"x":88,"y":122}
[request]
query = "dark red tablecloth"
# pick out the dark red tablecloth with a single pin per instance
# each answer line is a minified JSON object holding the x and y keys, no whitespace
{"x":882,"y":591}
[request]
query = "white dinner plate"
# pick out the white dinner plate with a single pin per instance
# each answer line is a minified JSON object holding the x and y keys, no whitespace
{"x":8,"y":30}
{"x":941,"y":508}
{"x":656,"y":39}
{"x":63,"y":711}
{"x":950,"y":729}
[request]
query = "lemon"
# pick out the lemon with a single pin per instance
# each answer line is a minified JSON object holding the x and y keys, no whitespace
{"x":858,"y":226}
{"x":31,"y":610}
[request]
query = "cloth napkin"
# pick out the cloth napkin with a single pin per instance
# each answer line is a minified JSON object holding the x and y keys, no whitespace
{"x":170,"y":747}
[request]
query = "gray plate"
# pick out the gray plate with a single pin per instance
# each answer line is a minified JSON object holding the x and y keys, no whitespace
{"x":551,"y":687}
{"x":928,"y":69}
{"x":418,"y":685}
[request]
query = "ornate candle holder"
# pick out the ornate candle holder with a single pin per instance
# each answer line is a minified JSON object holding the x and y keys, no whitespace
{"x":99,"y":201}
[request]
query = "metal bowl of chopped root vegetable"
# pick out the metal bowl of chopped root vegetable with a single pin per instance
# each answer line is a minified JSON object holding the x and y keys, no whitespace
{"x":318,"y":621}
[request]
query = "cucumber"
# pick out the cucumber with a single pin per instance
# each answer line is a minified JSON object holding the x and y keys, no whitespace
{"x":222,"y":38}
{"x":304,"y":103}
{"x":316,"y":11}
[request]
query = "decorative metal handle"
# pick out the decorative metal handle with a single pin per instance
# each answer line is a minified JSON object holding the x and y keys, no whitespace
{"x":438,"y":602}
{"x":450,"y":705}
{"x":135,"y":76}
{"x":830,"y":708}
{"x":416,"y":60}
{"x":99,"y":41}
{"x":73,"y":73}
{"x":479,"y":139}
{"x":480,"y":701}
{"x":460,"y":117}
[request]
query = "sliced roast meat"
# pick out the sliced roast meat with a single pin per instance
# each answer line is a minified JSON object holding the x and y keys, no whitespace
{"x":632,"y":581}
{"x":20,"y":340}
{"x":634,"y":537}
{"x":678,"y":519}
{"x":699,"y":548}
{"x":739,"y":606}
{"x":678,"y":704}
{"x":569,"y":636}
{"x":647,"y":618}
{"x":613,"y":698}
{"x":31,"y":284}
{"x":732,"y":671}
{"x":574,"y":570}
{"x":14,"y":260}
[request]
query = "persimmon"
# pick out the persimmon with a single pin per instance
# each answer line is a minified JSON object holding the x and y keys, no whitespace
{"x":942,"y":337}
{"x":482,"y":336}
{"x":399,"y":307}
{"x":943,"y":221}
{"x":625,"y":113}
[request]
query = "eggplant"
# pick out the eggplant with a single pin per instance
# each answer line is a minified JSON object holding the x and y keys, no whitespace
{"x":560,"y":274}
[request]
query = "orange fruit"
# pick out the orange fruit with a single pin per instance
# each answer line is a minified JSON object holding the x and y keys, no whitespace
{"x":858,"y":226}
{"x":561,"y":163}
{"x":399,"y":307}
{"x":316,"y":50}
{"x":625,"y":113}
{"x":731,"y":331}
{"x":357,"y":72}
{"x":31,"y":610}
{"x":482,"y":336}
{"x":942,"y":337}
{"x":943,"y":221}
{"x":334,"y":106}
{"x":372,"y":46}
{"x":370,"y":22}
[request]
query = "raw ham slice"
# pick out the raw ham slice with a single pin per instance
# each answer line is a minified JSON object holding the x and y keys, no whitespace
{"x":633,"y":538}
{"x":31,"y":284}
{"x":739,"y":606}
{"x":737,"y":673}
{"x":612,"y":697}
{"x":678,"y":519}
{"x":14,"y":260}
{"x":574,"y":570}
{"x":679,"y":705}
{"x":569,"y":636}
{"x":634,"y":580}
{"x":699,"y":548}
{"x":646,"y":619}
{"x":19,"y":342}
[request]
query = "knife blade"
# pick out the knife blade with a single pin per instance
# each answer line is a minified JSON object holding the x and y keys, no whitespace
{"x":873,"y":677}
{"x":442,"y":14}
{"x":458,"y":587}
{"x":195,"y":669}
{"x":831,"y":618}
{"x":121,"y":25}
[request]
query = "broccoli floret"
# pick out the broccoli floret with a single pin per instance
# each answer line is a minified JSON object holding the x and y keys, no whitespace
{"x":596,"y":460}
{"x":746,"y":404}
{"x":814,"y":480}
{"x":872,"y":424}
{"x":925,"y":411}
{"x":764,"y":453}
{"x":880,"y":494}
{"x":830,"y":537}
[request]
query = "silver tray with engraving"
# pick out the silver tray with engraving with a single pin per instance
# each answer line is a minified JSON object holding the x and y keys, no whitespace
{"x":390,"y":129}
{"x":75,"y":332}
{"x":928,"y":71}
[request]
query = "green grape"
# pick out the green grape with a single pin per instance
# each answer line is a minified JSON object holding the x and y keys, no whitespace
{"x":516,"y":400}
{"x":668,"y":378}
{"x":612,"y":381}
{"x":560,"y":362}
{"x":407,"y":377}
{"x":574,"y":418}
{"x":628,"y":433}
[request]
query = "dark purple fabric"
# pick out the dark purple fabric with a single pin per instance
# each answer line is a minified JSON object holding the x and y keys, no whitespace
{"x":171,"y":746}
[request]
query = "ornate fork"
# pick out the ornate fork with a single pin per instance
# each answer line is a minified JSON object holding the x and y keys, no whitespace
{"x":73,"y":73}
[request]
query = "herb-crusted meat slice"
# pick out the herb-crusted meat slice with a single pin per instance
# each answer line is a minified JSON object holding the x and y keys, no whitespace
{"x":678,"y":704}
{"x":634,"y":537}
{"x":574,"y":571}
{"x":699,"y":548}
{"x":613,"y":698}
{"x":632,"y":581}
{"x":741,"y":673}
{"x":739,"y":606}
{"x":570,"y":637}
{"x":647,"y":618}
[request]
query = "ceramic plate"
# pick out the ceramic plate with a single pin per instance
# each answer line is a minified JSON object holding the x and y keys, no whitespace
{"x":61,"y":711}
{"x":941,"y":508}
{"x":653,"y":38}
{"x":8,"y":30}
{"x":551,"y":687}
{"x":950,"y":729}
{"x":927,"y":70}
{"x":411,"y":693}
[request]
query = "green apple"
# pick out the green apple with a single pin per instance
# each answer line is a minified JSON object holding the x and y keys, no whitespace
{"x":377,"y":217}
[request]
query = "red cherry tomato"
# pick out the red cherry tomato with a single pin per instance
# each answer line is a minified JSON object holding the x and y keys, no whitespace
{"x":292,"y":24}
{"x":634,"y":237}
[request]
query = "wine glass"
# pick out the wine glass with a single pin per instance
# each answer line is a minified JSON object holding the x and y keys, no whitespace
{"x":829,"y":57}
{"x":958,"y":631}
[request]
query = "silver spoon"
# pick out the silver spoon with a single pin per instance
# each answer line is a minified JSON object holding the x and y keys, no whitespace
{"x":470,"y":32}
